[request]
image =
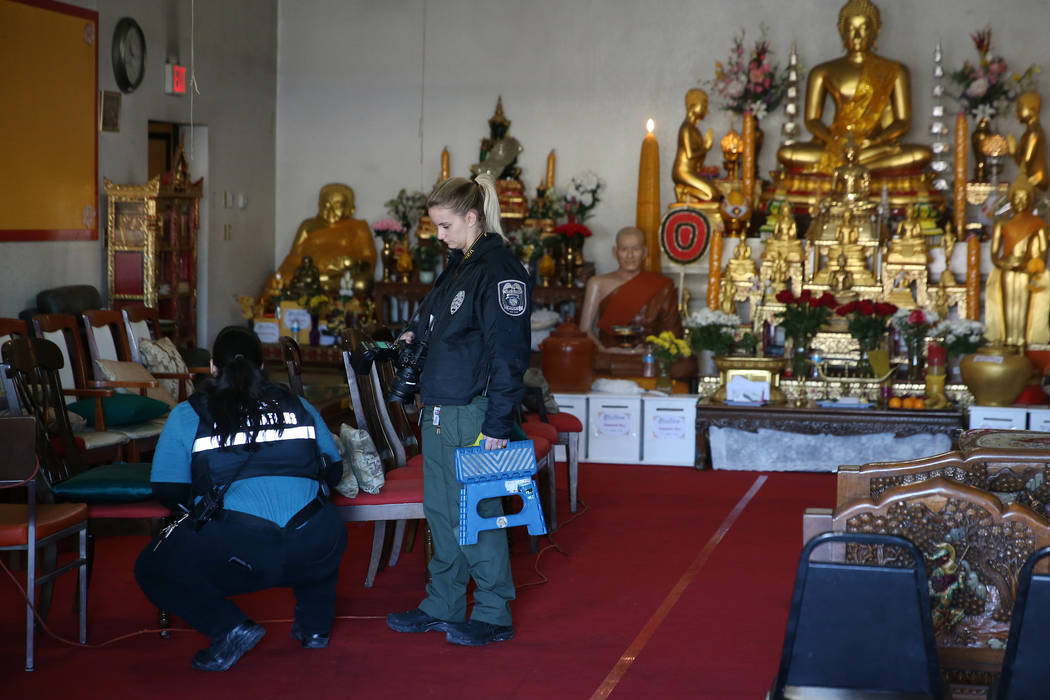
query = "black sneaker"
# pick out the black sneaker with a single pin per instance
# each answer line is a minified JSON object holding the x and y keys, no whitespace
{"x":225,"y":652}
{"x":309,"y":641}
{"x":475,"y":633}
{"x":415,"y":621}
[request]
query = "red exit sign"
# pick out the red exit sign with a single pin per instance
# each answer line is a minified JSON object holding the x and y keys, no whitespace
{"x":174,"y":79}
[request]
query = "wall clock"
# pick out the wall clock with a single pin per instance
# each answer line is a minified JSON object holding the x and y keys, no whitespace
{"x":129,"y":54}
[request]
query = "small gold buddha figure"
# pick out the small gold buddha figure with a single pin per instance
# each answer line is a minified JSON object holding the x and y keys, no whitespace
{"x":306,"y":281}
{"x":692,"y":149}
{"x":939,"y":298}
{"x":850,"y":191}
{"x":848,"y":254}
{"x":741,"y":268}
{"x":1017,"y":295}
{"x":784,"y":242}
{"x":948,"y":242}
{"x":872,"y":102}
{"x":1030,"y":152}
{"x":727,"y":291}
{"x":841,"y":280}
{"x":909,"y":246}
{"x":330,"y":238}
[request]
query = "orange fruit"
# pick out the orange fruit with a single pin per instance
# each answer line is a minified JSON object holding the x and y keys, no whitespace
{"x":895,"y":402}
{"x":908,"y":403}
{"x":919,"y":403}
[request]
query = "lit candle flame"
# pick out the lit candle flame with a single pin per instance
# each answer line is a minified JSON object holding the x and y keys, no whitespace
{"x":650,"y":125}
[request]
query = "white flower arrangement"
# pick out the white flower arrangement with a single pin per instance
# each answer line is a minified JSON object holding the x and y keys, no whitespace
{"x":909,"y":321}
{"x":712,"y":330}
{"x":582,"y":195}
{"x":960,"y":336}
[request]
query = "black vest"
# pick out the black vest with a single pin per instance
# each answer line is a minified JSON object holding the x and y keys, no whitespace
{"x":290,"y":452}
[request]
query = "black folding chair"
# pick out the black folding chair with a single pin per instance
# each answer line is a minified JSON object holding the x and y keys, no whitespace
{"x":859,"y":628}
{"x":1026,"y":673}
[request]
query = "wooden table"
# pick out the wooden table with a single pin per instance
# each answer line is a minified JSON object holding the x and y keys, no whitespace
{"x":822,"y":421}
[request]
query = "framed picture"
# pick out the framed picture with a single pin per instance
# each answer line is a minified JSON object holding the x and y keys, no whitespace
{"x":109,"y":111}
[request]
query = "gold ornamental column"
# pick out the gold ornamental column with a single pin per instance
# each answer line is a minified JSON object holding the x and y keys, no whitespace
{"x":647,"y":216}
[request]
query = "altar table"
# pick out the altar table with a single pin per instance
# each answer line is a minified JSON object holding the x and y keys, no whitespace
{"x":780,"y":438}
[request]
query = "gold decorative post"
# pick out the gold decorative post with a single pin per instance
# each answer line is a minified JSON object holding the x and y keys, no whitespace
{"x":446,"y":171}
{"x":749,"y":157}
{"x":714,"y":275}
{"x":973,"y":245}
{"x":549,"y":182}
{"x":647,"y":216}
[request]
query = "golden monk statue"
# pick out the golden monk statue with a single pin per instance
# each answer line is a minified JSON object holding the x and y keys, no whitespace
{"x":692,"y":149}
{"x":1030,"y":153}
{"x":872,"y":102}
{"x":628,"y":296}
{"x":909,"y":247}
{"x":784,"y":242}
{"x":1017,"y":295}
{"x":336,"y":242}
{"x":306,"y":282}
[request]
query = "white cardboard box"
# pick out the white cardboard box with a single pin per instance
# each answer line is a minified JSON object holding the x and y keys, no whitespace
{"x":614,"y":425}
{"x":1000,"y":417}
{"x":669,"y":430}
{"x":1039,"y":419}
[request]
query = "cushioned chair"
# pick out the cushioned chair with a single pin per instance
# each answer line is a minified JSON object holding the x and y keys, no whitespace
{"x":32,"y":526}
{"x":569,"y":430}
{"x":119,"y":490}
{"x":856,"y":628}
{"x":544,"y":436}
{"x":1025,"y":672}
{"x":143,"y":322}
{"x":135,"y":417}
{"x":71,"y":299}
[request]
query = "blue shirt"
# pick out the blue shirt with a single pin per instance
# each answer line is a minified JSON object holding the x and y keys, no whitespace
{"x":276,"y":498}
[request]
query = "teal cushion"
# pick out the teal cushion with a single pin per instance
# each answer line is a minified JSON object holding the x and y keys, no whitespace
{"x":121,"y":409}
{"x":516,"y":433}
{"x":121,"y":482}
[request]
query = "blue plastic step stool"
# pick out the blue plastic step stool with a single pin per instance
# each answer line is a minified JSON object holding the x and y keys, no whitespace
{"x":492,"y":474}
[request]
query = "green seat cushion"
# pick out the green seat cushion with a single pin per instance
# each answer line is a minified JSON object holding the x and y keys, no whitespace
{"x":122,"y":482}
{"x":121,"y":409}
{"x":516,"y":433}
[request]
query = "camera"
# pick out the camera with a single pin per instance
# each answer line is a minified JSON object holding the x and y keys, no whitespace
{"x":408,"y":359}
{"x":206,"y":507}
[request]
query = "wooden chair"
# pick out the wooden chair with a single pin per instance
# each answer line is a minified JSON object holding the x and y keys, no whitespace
{"x":9,"y":328}
{"x":112,"y":491}
{"x":30,"y":527}
{"x":62,"y":330}
{"x":144,"y":322}
{"x":397,"y":501}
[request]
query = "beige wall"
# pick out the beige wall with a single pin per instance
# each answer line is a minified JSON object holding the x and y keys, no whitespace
{"x":235,"y":52}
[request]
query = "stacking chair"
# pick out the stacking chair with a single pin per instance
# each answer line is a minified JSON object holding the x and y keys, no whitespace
{"x":1026,"y":674}
{"x":860,"y":628}
{"x":32,"y":526}
{"x":61,"y":329}
{"x":112,"y":491}
{"x":569,"y":429}
{"x":397,"y":501}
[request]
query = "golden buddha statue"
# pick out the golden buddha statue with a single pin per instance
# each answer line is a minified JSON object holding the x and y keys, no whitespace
{"x":850,"y":192}
{"x":909,"y":247}
{"x":726,"y":294}
{"x":1017,"y":295}
{"x":335,"y":241}
{"x":841,"y":280}
{"x":692,"y":149}
{"x":851,"y":255}
{"x":948,"y":242}
{"x":1030,"y":153}
{"x":741,"y":268}
{"x":784,"y":242}
{"x":306,"y":281}
{"x":872,"y":99}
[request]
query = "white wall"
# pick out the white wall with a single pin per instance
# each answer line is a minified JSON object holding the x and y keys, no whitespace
{"x":235,"y":49}
{"x":358,"y":103}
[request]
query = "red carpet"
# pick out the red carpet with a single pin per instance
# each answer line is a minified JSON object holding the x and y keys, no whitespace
{"x":645,"y":528}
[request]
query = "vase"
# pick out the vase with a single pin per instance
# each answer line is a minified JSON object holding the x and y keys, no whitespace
{"x":389,"y":258}
{"x":663,"y":375}
{"x":864,"y":368}
{"x":996,"y":375}
{"x":567,"y":359}
{"x":426,"y":276}
{"x":799,"y":361}
{"x":916,"y":359}
{"x":706,"y":361}
{"x":980,"y":160}
{"x":315,"y":330}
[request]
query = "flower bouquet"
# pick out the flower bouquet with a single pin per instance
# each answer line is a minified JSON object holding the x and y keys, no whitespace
{"x":960,"y":336}
{"x":913,"y":325}
{"x":427,"y":254}
{"x":390,"y":230}
{"x":407,"y":208}
{"x":526,"y":244}
{"x":712,"y":330}
{"x":666,"y":348}
{"x":868,"y":322}
{"x":750,"y":83}
{"x":546,"y":205}
{"x":801,"y":319}
{"x":986,"y":90}
{"x":250,"y":308}
{"x":582,"y":195}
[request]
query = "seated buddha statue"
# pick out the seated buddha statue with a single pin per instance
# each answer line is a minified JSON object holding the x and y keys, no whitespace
{"x":332,"y":239}
{"x":784,"y":242}
{"x":741,"y":268}
{"x":306,"y":281}
{"x":872,"y":102}
{"x":850,"y":191}
{"x":629,"y":296}
{"x":692,"y":149}
{"x":1030,"y":152}
{"x":1017,"y":293}
{"x":848,"y":254}
{"x":909,"y":246}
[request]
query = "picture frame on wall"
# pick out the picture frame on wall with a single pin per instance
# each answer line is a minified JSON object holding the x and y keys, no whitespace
{"x":109,"y":111}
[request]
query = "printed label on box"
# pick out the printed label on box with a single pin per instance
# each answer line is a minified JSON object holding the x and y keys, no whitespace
{"x":668,"y":426}
{"x":613,"y":423}
{"x":269,"y":331}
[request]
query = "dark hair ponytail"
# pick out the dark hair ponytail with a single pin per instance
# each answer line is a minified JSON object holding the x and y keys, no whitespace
{"x":235,"y":398}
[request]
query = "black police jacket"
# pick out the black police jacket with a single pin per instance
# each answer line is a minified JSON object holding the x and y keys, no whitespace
{"x":481,"y":336}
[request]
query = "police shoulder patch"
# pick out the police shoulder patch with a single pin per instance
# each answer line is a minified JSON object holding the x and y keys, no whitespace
{"x":457,"y":301}
{"x":512,"y":297}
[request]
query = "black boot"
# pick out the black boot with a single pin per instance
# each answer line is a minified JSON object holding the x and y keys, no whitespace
{"x":224,"y":653}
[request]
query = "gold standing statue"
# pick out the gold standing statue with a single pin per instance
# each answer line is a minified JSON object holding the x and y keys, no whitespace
{"x":337,"y":243}
{"x":692,"y":149}
{"x":872,"y":100}
{"x":1017,"y":296}
{"x":1030,"y":153}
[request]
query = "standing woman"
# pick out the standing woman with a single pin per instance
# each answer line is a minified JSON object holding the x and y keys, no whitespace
{"x":476,"y":324}
{"x":256,"y":449}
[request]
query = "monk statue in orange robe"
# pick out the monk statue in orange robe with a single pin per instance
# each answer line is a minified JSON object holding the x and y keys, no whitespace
{"x":622,"y":307}
{"x":337,"y":242}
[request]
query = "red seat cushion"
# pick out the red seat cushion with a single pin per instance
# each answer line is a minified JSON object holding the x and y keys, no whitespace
{"x":541,"y":446}
{"x":60,"y":451}
{"x":397,"y":491}
{"x":563,"y":422}
{"x":416,"y":461}
{"x":409,"y":471}
{"x":14,"y":521}
{"x":544,"y":430}
{"x":139,"y":509}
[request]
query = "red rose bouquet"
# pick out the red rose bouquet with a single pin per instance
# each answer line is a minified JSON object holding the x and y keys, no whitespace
{"x":801,"y":319}
{"x":868,"y":321}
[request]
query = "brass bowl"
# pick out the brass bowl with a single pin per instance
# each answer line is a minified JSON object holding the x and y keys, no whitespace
{"x":627,"y":336}
{"x":754,"y":368}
